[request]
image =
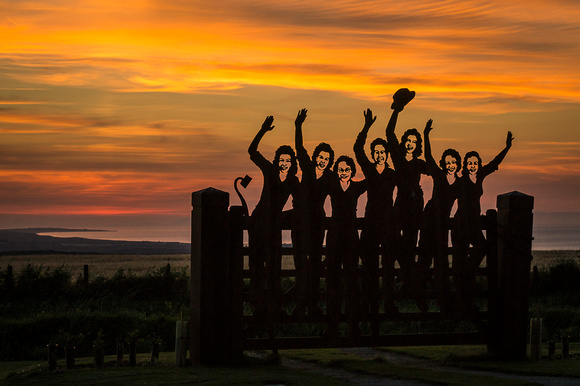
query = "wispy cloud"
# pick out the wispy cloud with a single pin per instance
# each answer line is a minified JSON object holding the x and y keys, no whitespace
{"x":110,"y":105}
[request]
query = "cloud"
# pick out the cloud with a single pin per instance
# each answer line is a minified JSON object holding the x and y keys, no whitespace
{"x":132,"y":105}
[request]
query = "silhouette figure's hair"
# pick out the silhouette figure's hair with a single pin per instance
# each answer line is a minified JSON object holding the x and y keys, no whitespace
{"x":378,"y":141}
{"x":286,"y":149}
{"x":349,"y":161}
{"x":453,"y":153}
{"x":419,"y":149}
{"x":469,"y":155}
{"x":323,"y":146}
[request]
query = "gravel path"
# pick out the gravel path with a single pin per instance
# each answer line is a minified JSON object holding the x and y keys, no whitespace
{"x":346,"y":376}
{"x":406,"y":360}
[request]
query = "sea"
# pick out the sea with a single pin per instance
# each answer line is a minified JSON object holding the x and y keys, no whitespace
{"x":152,"y":233}
{"x":546,"y":237}
{"x":556,"y":238}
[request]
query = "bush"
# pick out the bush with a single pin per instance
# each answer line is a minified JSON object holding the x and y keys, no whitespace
{"x":556,"y":298}
{"x":561,"y":277}
{"x":42,"y":282}
{"x":45,"y":304}
{"x":26,"y":338}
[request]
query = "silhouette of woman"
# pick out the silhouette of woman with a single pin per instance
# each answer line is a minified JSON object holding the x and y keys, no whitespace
{"x":265,"y":236}
{"x":468,"y":226}
{"x":342,"y":244}
{"x":409,"y":202}
{"x":379,"y":233}
{"x":435,"y":227}
{"x":308,"y":232}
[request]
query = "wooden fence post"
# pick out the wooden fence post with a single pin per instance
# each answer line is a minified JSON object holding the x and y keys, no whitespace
{"x":492,"y":270}
{"x":236,"y":265}
{"x":132,"y":353}
{"x":210,"y":300}
{"x":120,"y":351}
{"x":514,"y":228}
{"x":52,"y":353}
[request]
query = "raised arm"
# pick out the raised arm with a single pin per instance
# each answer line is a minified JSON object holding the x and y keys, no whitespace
{"x":400,"y":100}
{"x":301,"y":152}
{"x":390,"y":130}
{"x":428,"y":153}
{"x":508,"y":144}
{"x":361,"y":139}
{"x":266,"y":126}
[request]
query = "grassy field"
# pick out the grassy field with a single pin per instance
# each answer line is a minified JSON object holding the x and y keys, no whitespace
{"x":108,"y":265}
{"x":543,"y":259}
{"x":249,"y":372}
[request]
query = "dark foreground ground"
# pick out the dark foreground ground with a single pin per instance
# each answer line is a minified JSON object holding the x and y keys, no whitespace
{"x":463,"y":365}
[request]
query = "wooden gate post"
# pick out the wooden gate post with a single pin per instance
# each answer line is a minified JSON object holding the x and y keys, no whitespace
{"x":236,"y":279}
{"x":210,"y":300}
{"x":514,"y":229}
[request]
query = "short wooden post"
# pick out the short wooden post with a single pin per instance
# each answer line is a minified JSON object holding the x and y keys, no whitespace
{"x":132,"y":354}
{"x":210,"y":300}
{"x":565,"y":347}
{"x":52,"y":353}
{"x":551,"y":350}
{"x":69,"y":355}
{"x":154,"y":353}
{"x":181,"y":342}
{"x":99,"y":356}
{"x":120,"y":352}
{"x":86,"y":275}
{"x":514,"y":228}
{"x":536,"y":339}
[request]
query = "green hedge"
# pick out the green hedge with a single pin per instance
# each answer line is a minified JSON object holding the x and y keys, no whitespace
{"x":27,"y":338}
{"x":41,"y":305}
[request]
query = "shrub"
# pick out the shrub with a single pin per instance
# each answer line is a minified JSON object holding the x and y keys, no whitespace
{"x":45,"y":306}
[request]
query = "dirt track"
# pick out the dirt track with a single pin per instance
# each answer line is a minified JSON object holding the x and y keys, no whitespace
{"x":405,"y":360}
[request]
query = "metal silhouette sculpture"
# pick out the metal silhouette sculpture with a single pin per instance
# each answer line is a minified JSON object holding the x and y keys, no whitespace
{"x":342,"y":247}
{"x":379,"y":233}
{"x":308,"y":231}
{"x":389,"y":231}
{"x":265,"y":237}
{"x":244,"y":181}
{"x":468,"y":226}
{"x":433,"y":242}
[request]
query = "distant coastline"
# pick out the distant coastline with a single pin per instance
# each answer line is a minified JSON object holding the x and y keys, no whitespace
{"x":13,"y":241}
{"x":56,"y":230}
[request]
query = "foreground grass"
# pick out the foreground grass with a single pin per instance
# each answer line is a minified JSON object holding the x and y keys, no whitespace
{"x":381,"y":368}
{"x":475,"y":357}
{"x":250,"y":372}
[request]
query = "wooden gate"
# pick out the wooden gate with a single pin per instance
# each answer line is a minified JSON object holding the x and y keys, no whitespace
{"x":226,"y":320}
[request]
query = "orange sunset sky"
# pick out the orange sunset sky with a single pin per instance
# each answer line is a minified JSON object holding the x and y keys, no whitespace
{"x":121,"y":109}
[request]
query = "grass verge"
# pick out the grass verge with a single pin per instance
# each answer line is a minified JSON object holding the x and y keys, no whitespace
{"x":475,"y":357}
{"x":249,"y":372}
{"x":381,"y":368}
